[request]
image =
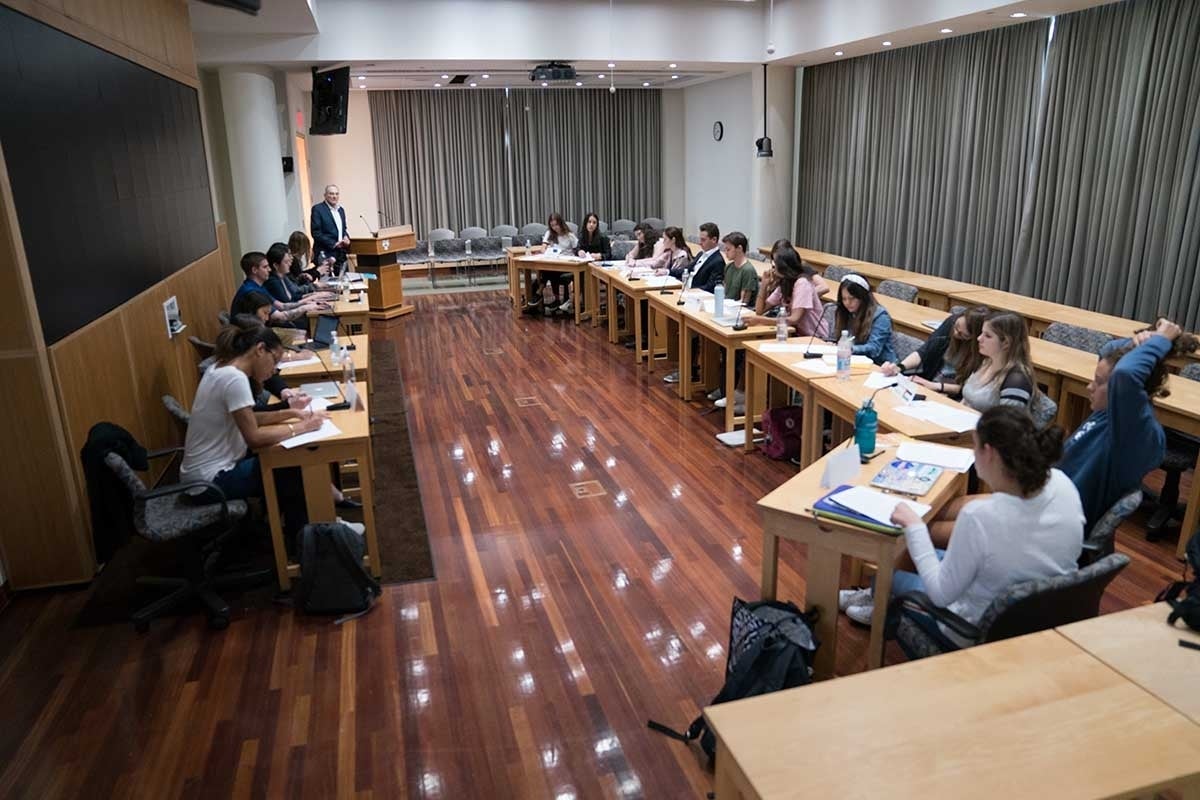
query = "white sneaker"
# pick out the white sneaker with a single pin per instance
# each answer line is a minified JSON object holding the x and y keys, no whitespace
{"x":861,"y":614}
{"x":566,"y":307}
{"x":854,"y":597}
{"x":357,"y":527}
{"x":672,"y":377}
{"x":722,"y":402}
{"x":715,"y":394}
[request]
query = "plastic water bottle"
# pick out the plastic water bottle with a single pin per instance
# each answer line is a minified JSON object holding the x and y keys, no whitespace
{"x":719,"y":300}
{"x":335,"y":352}
{"x":844,"y":350}
{"x":526,"y":245}
{"x":866,"y":425}
{"x":467,"y":245}
{"x":348,"y":372}
{"x":781,"y":327}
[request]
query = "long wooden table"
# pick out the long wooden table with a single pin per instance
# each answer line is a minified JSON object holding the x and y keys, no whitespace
{"x":352,"y":315}
{"x":1035,"y":716}
{"x":1041,"y":313}
{"x":524,"y":265}
{"x":314,"y":460}
{"x":787,"y":514}
{"x":816,"y":258}
{"x":326,"y":368}
{"x":636,"y":291}
{"x":932,"y":290}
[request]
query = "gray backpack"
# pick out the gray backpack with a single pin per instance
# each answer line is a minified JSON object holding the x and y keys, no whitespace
{"x":332,"y":577}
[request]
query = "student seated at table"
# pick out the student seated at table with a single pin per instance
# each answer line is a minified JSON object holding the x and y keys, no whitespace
{"x":257,"y":271}
{"x":741,"y":278}
{"x":304,"y":269}
{"x":708,"y":269}
{"x":1005,"y":375}
{"x":1031,"y":526}
{"x":260,"y":306}
{"x":647,"y":247}
{"x":559,"y":241}
{"x":670,"y":254}
{"x":281,"y":286}
{"x":224,"y":426}
{"x":591,"y":241}
{"x":869,"y":323}
{"x":795,"y":286}
{"x":950,"y":354}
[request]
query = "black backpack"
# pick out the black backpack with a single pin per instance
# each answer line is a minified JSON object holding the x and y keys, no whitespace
{"x":771,"y":647}
{"x":332,"y":578}
{"x":1184,"y":597}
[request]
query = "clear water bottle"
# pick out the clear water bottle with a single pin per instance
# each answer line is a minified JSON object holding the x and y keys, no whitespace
{"x":781,"y":327}
{"x":527,"y":246}
{"x":844,"y":350}
{"x":335,"y":351}
{"x":866,"y":425}
{"x":348,"y":368}
{"x":719,"y":300}
{"x":467,"y":245}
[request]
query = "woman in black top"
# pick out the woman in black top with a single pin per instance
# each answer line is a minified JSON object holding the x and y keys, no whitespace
{"x":950,"y":354}
{"x":591,"y":240}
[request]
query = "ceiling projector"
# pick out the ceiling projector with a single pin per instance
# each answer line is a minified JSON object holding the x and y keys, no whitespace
{"x":553,"y":71}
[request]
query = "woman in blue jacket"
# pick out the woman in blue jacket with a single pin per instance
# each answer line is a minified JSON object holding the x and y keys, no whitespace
{"x":867,"y":321}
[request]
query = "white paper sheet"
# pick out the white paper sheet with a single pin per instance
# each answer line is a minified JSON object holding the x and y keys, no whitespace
{"x":816,"y":366}
{"x":955,"y":459}
{"x":730,"y":308}
{"x":782,"y":347}
{"x":824,"y":348}
{"x":841,"y":467}
{"x":855,"y":361}
{"x":932,"y":324}
{"x":958,"y":420}
{"x":327,"y":431}
{"x":875,"y":504}
{"x":659,"y":281}
{"x":300,"y":362}
{"x":877,"y":380}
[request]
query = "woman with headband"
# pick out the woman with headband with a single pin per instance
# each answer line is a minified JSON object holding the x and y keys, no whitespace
{"x":867,"y":321}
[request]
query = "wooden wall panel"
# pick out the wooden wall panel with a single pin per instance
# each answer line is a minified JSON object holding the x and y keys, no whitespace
{"x":45,"y":540}
{"x":104,"y":16}
{"x":177,"y":37}
{"x":143,"y":27}
{"x":20,"y":330}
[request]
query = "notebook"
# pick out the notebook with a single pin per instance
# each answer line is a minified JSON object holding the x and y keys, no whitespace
{"x":907,"y":477}
{"x":828,"y":508}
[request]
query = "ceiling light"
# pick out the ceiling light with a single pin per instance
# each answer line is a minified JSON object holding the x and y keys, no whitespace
{"x":645,"y":83}
{"x":887,"y":44}
{"x":362,"y":77}
{"x":674,"y":77}
{"x":601,"y":75}
{"x":545,"y":84}
{"x":485,"y":76}
{"x":445,"y":77}
{"x":611,"y":65}
{"x":1018,"y":15}
{"x":947,"y":30}
{"x":579,"y":83}
{"x":838,"y":53}
{"x":672,"y":66}
{"x":437,"y":85}
{"x":473,"y":85}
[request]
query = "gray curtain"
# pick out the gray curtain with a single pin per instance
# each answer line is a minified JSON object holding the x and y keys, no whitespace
{"x":1113,"y":221}
{"x":439,"y":158}
{"x":917,"y":158}
{"x":587,"y":150}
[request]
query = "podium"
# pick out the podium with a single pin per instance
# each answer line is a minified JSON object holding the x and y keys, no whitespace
{"x":377,"y":254}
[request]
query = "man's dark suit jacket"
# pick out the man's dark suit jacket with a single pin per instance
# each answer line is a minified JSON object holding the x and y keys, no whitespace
{"x":706,"y":276}
{"x":324,"y":230}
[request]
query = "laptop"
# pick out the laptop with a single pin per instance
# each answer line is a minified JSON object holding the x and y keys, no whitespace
{"x":327,"y":326}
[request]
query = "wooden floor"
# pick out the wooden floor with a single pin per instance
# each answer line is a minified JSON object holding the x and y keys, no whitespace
{"x":557,"y":624}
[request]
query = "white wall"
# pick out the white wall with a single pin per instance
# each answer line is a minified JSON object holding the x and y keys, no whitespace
{"x":674,"y":181}
{"x":771,"y":178}
{"x":717,"y":174}
{"x":349,"y":161}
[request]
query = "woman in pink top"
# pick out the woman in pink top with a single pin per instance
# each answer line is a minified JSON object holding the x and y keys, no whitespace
{"x":796,"y":286}
{"x":671,"y":254}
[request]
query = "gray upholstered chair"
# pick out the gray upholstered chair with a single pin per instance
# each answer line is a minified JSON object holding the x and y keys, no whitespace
{"x":829,"y":314}
{"x":654,"y":222}
{"x":603,"y":227}
{"x":1026,"y":607}
{"x":835,"y":274}
{"x":623,"y":226}
{"x":503,"y":230}
{"x":904,"y":345}
{"x":1099,"y":541}
{"x":417,"y":255}
{"x":898,"y":290}
{"x":473,"y":232}
{"x":199,"y":529}
{"x":487,"y":251}
{"x":621,"y":248}
{"x":449,"y":252}
{"x":1043,"y":409}
{"x":440,"y":234}
{"x":534,"y":230}
{"x":176,"y":410}
{"x":203,"y":349}
{"x":1076,"y":336}
{"x":573,"y":227}
{"x":1179,"y":458}
{"x":223,"y":317}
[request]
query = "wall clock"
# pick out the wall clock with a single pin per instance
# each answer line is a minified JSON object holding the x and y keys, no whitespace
{"x":718,"y":131}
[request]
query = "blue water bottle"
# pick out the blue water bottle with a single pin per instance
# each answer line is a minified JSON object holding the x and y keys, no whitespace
{"x":866,"y":425}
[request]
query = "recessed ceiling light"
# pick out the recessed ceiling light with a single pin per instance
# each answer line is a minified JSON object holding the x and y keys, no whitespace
{"x":674,"y":77}
{"x":445,"y":77}
{"x":838,"y":53}
{"x":672,"y":66}
{"x":947,"y":30}
{"x":473,"y":85}
{"x":362,"y":77}
{"x":579,"y":83}
{"x":545,"y":84}
{"x":1018,"y":15}
{"x":645,"y":83}
{"x":485,"y":76}
{"x":438,"y":85}
{"x":611,"y":65}
{"x":601,"y":75}
{"x":887,"y":44}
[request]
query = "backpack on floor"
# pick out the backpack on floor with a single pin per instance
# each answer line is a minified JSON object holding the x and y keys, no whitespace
{"x":1184,"y":597}
{"x":771,"y":647}
{"x":332,"y":577}
{"x":781,"y":432}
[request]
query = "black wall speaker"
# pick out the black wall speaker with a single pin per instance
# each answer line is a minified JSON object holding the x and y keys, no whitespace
{"x":288,"y":165}
{"x":330,"y":96}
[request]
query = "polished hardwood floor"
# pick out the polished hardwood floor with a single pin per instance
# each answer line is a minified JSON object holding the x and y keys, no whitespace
{"x":557,"y":624}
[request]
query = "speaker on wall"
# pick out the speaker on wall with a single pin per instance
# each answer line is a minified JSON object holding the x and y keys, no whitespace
{"x":330,"y":96}
{"x":288,"y":164}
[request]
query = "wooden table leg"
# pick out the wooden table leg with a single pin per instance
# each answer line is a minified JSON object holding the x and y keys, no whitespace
{"x":652,"y":324}
{"x":756,"y":390}
{"x":883,"y":593}
{"x":577,"y":283}
{"x":770,"y":566}
{"x":639,"y":351}
{"x":367,"y":497}
{"x":1191,"y":517}
{"x":730,"y":387}
{"x":685,"y":358}
{"x":822,"y":581}
{"x":275,"y":520}
{"x":812,"y":432}
{"x":724,"y":786}
{"x":613,"y":294}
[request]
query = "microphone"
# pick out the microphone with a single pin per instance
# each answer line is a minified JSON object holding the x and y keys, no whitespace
{"x":382,"y":217}
{"x":687,"y":275}
{"x":374,"y":233}
{"x":738,"y":325}
{"x":808,"y":347}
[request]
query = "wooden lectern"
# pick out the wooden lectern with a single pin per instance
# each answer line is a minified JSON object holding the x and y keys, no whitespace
{"x":377,"y":254}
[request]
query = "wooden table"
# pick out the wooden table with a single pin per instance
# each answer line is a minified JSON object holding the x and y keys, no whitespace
{"x":910,"y":317}
{"x":326,"y":369}
{"x":636,"y":292}
{"x":524,"y":265}
{"x":932,"y":291}
{"x":763,"y":361}
{"x":816,"y":258}
{"x":352,"y":444}
{"x":1030,"y":717}
{"x":700,"y":323}
{"x":1041,"y":313}
{"x":787,"y":514}
{"x":665,"y":314}
{"x":352,"y":316}
{"x":516,"y":292}
{"x":1139,"y":644}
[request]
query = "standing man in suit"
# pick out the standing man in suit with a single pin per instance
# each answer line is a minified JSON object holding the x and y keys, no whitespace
{"x":709,"y":267}
{"x":329,"y":228}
